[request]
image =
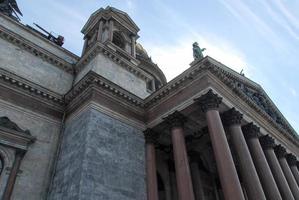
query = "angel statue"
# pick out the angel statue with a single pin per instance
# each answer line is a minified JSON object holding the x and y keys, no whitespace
{"x":197,"y":51}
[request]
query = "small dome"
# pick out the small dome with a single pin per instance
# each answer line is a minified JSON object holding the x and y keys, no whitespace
{"x":147,"y":65}
{"x":141,"y":51}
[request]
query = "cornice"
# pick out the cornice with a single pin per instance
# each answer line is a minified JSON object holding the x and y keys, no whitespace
{"x":35,"y":50}
{"x":15,"y":139}
{"x":113,"y":56}
{"x":93,"y":79}
{"x":13,"y":81}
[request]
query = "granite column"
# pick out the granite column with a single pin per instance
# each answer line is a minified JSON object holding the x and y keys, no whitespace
{"x":292,"y":160}
{"x":183,"y":175}
{"x":151,"y":170}
{"x":281,"y":155}
{"x":232,"y":119}
{"x":268,"y":144}
{"x":251,"y":133}
{"x":209,"y":104}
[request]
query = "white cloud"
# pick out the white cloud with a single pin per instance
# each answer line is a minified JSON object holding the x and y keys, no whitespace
{"x":293,"y":92}
{"x":173,"y":59}
{"x":246,"y":16}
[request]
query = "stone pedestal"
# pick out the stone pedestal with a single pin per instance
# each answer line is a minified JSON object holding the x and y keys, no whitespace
{"x":229,"y":180}
{"x":281,"y":154}
{"x":232,"y":119}
{"x":268,"y":144}
{"x":251,"y":133}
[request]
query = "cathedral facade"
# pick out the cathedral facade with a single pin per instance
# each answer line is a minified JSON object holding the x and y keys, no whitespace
{"x":107,"y":125}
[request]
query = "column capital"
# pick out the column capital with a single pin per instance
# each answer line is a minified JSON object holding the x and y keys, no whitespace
{"x":280,"y":151}
{"x":232,"y":117}
{"x":150,"y":136}
{"x":292,"y":160}
{"x":251,"y":131}
{"x":175,"y":119}
{"x":209,"y":101}
{"x":267,"y":142}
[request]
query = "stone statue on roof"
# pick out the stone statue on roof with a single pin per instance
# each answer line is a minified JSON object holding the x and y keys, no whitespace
{"x":197,"y":51}
{"x":10,"y":7}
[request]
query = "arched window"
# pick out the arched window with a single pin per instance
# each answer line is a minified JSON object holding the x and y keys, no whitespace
{"x":118,"y":39}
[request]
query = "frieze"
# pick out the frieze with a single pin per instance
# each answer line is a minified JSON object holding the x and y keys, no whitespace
{"x":35,"y":50}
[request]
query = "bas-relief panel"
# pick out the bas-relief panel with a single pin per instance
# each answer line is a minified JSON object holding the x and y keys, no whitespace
{"x":35,"y":167}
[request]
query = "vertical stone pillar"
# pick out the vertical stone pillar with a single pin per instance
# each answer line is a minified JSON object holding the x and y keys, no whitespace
{"x":196,"y":178}
{"x":281,"y":155}
{"x":292,"y":160}
{"x":268,"y":144}
{"x":100,"y":31}
{"x":133,"y":45}
{"x":232,"y":119}
{"x":151,"y":169}
{"x":183,"y":176}
{"x":251,"y":133}
{"x":229,"y":180}
{"x":13,"y":174}
{"x":111,"y":24}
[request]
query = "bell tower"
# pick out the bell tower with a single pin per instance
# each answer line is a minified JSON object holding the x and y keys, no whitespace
{"x":113,"y":28}
{"x":110,"y":51}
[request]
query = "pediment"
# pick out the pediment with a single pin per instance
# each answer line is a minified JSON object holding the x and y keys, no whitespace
{"x":252,"y":91}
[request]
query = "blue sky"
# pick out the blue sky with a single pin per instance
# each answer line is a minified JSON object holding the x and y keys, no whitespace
{"x":261,"y":37}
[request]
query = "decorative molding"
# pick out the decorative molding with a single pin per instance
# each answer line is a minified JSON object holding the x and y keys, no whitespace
{"x":280,"y":151}
{"x":175,"y":119}
{"x":92,"y":79}
{"x":231,"y":117}
{"x":113,"y":56}
{"x":267,"y":142}
{"x":251,"y":131}
{"x":7,"y":123}
{"x":35,"y":50}
{"x":12,"y":135}
{"x":30,"y":88}
{"x":209,"y":101}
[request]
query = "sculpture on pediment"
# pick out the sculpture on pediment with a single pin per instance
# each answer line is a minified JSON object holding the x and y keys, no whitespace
{"x":197,"y":51}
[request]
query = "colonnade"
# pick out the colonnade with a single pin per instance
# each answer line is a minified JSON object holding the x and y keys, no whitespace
{"x":266,"y":170}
